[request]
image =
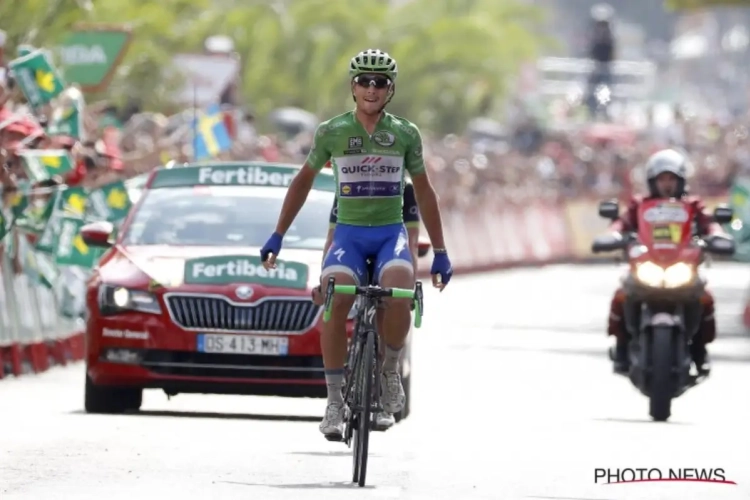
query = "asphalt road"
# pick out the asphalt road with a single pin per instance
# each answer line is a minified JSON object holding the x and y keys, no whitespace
{"x":514,"y":399}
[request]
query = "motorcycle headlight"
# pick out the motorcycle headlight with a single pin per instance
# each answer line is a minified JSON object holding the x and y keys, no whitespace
{"x":117,"y":299}
{"x":678,"y":275}
{"x":650,"y":274}
{"x":674,"y":276}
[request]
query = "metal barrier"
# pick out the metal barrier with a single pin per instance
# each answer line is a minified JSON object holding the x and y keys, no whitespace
{"x":40,"y":326}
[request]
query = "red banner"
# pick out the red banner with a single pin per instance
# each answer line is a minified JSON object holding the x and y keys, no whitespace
{"x":491,"y":237}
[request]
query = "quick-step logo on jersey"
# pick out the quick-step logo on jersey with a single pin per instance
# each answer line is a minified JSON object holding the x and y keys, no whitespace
{"x":370,"y":176}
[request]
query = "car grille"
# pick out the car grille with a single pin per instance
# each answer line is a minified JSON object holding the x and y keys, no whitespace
{"x":206,"y":313}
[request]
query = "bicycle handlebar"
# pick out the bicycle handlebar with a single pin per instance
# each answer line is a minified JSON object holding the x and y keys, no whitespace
{"x":374,"y":291}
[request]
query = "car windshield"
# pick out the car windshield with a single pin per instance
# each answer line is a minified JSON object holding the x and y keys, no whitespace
{"x":226,"y":216}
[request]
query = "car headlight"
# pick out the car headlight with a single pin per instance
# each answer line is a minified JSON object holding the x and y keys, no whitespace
{"x":118,"y":299}
{"x":674,"y":276}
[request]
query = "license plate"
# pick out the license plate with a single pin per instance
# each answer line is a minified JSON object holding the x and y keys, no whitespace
{"x":243,"y":344}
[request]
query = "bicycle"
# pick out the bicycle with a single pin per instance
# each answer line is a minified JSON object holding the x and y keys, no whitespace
{"x":361,"y":371}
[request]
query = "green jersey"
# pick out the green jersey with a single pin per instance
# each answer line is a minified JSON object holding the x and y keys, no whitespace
{"x":369,"y":169}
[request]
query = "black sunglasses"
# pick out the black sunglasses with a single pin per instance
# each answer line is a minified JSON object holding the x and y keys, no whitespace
{"x":377,"y":81}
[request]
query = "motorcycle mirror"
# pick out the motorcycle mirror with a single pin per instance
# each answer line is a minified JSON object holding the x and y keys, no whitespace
{"x":609,"y":210}
{"x":719,"y":244}
{"x":723,"y":214}
{"x":608,"y":243}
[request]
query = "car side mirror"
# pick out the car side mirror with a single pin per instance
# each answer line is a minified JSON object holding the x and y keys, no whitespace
{"x":608,"y":243}
{"x":719,"y":244}
{"x":98,"y":234}
{"x":609,"y":210}
{"x":423,"y":248}
{"x":723,"y":214}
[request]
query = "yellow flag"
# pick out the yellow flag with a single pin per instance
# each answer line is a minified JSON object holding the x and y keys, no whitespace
{"x":77,"y":203}
{"x":117,"y":199}
{"x":17,"y":199}
{"x":45,"y":80}
{"x":52,"y":161}
{"x":79,"y":244}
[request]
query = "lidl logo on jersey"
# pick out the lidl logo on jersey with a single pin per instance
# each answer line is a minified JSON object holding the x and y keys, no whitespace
{"x":370,"y":176}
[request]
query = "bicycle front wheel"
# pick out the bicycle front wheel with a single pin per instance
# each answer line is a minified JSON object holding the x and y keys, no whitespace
{"x":364,"y":405}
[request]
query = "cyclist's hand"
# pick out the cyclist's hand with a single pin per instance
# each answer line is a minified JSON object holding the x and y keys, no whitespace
{"x":317,"y":296}
{"x":441,"y":270}
{"x":270,"y":250}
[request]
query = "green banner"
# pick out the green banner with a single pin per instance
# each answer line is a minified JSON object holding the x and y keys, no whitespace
{"x":67,"y":119}
{"x":37,"y":77}
{"x":71,"y":249}
{"x":74,"y":201}
{"x":237,"y":174}
{"x":227,"y":269}
{"x":36,"y":217}
{"x":4,"y":225}
{"x":90,"y":56}
{"x":110,"y":202}
{"x":43,"y":164}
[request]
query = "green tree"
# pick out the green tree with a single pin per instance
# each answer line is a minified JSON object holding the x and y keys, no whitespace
{"x":703,"y":4}
{"x":456,"y":57}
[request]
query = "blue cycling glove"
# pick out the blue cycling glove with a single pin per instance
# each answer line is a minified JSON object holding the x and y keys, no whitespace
{"x":272,"y":246}
{"x":441,"y":265}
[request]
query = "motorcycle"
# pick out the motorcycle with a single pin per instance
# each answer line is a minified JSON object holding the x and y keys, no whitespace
{"x":663,"y":290}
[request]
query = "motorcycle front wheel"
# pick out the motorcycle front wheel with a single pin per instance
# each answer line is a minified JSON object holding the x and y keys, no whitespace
{"x":661,"y":387}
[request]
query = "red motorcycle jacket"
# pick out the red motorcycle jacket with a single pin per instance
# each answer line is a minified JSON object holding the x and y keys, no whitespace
{"x":628,"y":221}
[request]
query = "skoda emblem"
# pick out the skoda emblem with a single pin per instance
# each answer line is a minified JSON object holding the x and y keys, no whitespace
{"x":244,"y":292}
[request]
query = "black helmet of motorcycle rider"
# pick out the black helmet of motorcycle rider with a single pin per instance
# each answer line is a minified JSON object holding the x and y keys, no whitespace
{"x":666,"y":173}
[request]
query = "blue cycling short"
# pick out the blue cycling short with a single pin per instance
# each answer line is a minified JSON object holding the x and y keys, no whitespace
{"x":352,"y":245}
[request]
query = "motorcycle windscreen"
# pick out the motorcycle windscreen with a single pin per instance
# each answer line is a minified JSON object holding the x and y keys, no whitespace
{"x":665,"y":226}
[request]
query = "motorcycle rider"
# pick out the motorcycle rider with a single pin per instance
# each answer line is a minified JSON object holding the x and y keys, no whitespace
{"x":666,"y":173}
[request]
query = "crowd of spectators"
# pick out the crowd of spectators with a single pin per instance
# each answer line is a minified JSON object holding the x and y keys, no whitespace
{"x":596,"y":160}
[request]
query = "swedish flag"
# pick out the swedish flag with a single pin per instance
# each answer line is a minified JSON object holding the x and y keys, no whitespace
{"x":211,"y":135}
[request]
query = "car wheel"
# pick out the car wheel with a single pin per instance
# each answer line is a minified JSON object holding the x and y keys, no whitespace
{"x":406,"y":382}
{"x":102,"y":399}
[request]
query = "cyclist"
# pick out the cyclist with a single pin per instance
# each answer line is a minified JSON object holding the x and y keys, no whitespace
{"x":370,"y":150}
{"x":410,"y":212}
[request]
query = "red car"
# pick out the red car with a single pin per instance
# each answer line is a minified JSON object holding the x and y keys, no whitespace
{"x":180,"y":300}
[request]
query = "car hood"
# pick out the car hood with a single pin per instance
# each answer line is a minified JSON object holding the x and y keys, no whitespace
{"x":140,"y":266}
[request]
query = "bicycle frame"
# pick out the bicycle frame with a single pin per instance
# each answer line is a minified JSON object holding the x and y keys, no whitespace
{"x":361,"y":380}
{"x":364,"y":323}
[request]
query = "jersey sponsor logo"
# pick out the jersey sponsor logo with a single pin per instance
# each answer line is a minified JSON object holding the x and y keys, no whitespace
{"x":354,"y":151}
{"x":385,"y":139}
{"x":370,"y":176}
{"x":418,"y":151}
{"x":370,"y":169}
{"x":373,"y":189}
{"x":355,"y":142}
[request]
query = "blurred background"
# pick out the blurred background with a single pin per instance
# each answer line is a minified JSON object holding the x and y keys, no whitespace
{"x":508,"y":94}
{"x":520,"y":102}
{"x":532,"y":111}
